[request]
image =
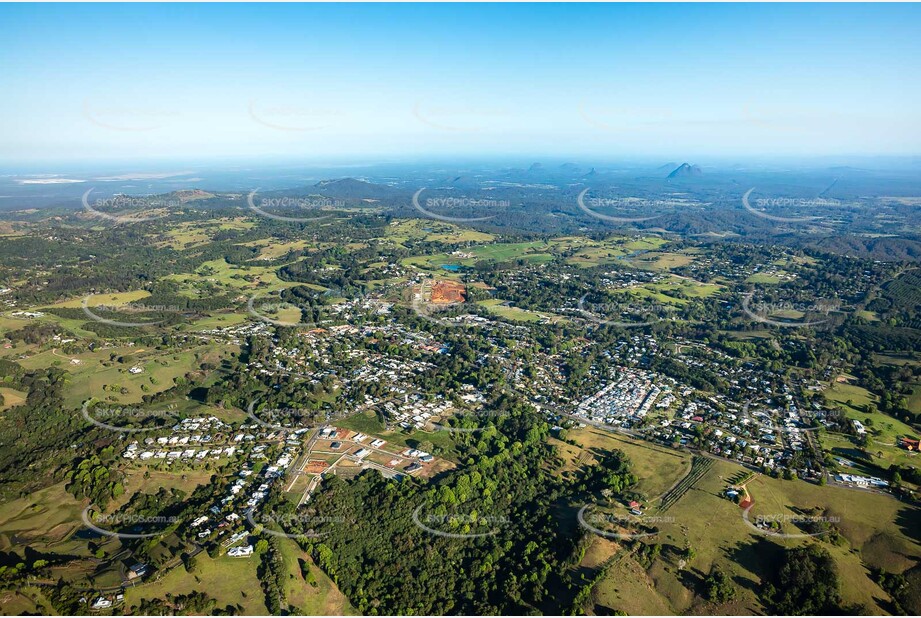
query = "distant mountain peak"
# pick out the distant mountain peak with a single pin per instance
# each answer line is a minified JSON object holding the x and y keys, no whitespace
{"x":686,"y":169}
{"x":341,"y":182}
{"x":352,"y":188}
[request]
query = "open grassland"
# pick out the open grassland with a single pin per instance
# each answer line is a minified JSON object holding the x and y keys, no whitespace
{"x":219,"y":320}
{"x":534,"y":252}
{"x":884,"y":429}
{"x":883,"y":454}
{"x":497,"y":307}
{"x":42,"y":520}
{"x":767,"y":278}
{"x":882,"y":529}
{"x":433,"y":231}
{"x":231,"y":581}
{"x":628,"y":588}
{"x":270,"y":249}
{"x":655,"y":467}
{"x":368,"y":423}
{"x":113,"y":300}
{"x":26,"y":601}
{"x":10,"y":397}
{"x":100,"y":374}
{"x":184,"y":480}
{"x":590,"y":253}
{"x":232,"y":276}
{"x":842,"y":392}
{"x":675,"y":291}
{"x":661,"y":261}
{"x":195,"y":234}
{"x":74,"y":326}
{"x":320,"y":597}
{"x":591,"y":257}
{"x":502,"y":252}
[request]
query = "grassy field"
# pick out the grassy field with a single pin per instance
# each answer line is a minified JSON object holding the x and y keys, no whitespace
{"x":232,"y":581}
{"x":185,"y":480}
{"x":42,"y":520}
{"x":675,"y":291}
{"x":194,"y":234}
{"x":661,"y":261}
{"x":878,"y":526}
{"x":26,"y":601}
{"x":591,"y":257}
{"x":96,"y":370}
{"x":367,"y":422}
{"x":11,"y":397}
{"x":534,"y":252}
{"x":236,"y":277}
{"x":221,"y":320}
{"x":496,"y":306}
{"x":657,"y":468}
{"x":885,"y":429}
{"x":114,"y":300}
{"x":434,"y":231}
{"x":322,"y":599}
{"x":270,"y":249}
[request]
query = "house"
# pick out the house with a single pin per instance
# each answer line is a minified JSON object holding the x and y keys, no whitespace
{"x":102,"y":603}
{"x":362,"y":453}
{"x":336,"y":446}
{"x":241,"y":552}
{"x":138,"y":570}
{"x":413,"y":467}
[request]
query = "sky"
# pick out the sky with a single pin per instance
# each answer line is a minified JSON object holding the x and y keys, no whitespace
{"x":322,"y":82}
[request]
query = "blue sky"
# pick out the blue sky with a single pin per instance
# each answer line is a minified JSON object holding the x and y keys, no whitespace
{"x":108,"y":82}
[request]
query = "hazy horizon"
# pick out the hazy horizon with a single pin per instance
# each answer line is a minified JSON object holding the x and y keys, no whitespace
{"x":91,"y":83}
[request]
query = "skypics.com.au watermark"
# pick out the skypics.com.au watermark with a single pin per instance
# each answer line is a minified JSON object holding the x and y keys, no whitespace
{"x":769,"y":525}
{"x":293,"y":118}
{"x":458,"y":118}
{"x":765,"y":421}
{"x":759,"y":311}
{"x":786,"y":203}
{"x":641,"y":314}
{"x":259,"y":309}
{"x":461,"y":414}
{"x":127,"y":414}
{"x":294,"y":417}
{"x":303,"y":523}
{"x":126,"y":118}
{"x":103,"y":524}
{"x":620,"y":202}
{"x":312,"y":204}
{"x":138,"y":205}
{"x":457,"y":203}
{"x":446,"y":525}
{"x":627,"y":523}
{"x":126,"y":308}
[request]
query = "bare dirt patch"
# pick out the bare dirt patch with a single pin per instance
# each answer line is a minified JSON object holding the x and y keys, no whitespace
{"x":448,"y":292}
